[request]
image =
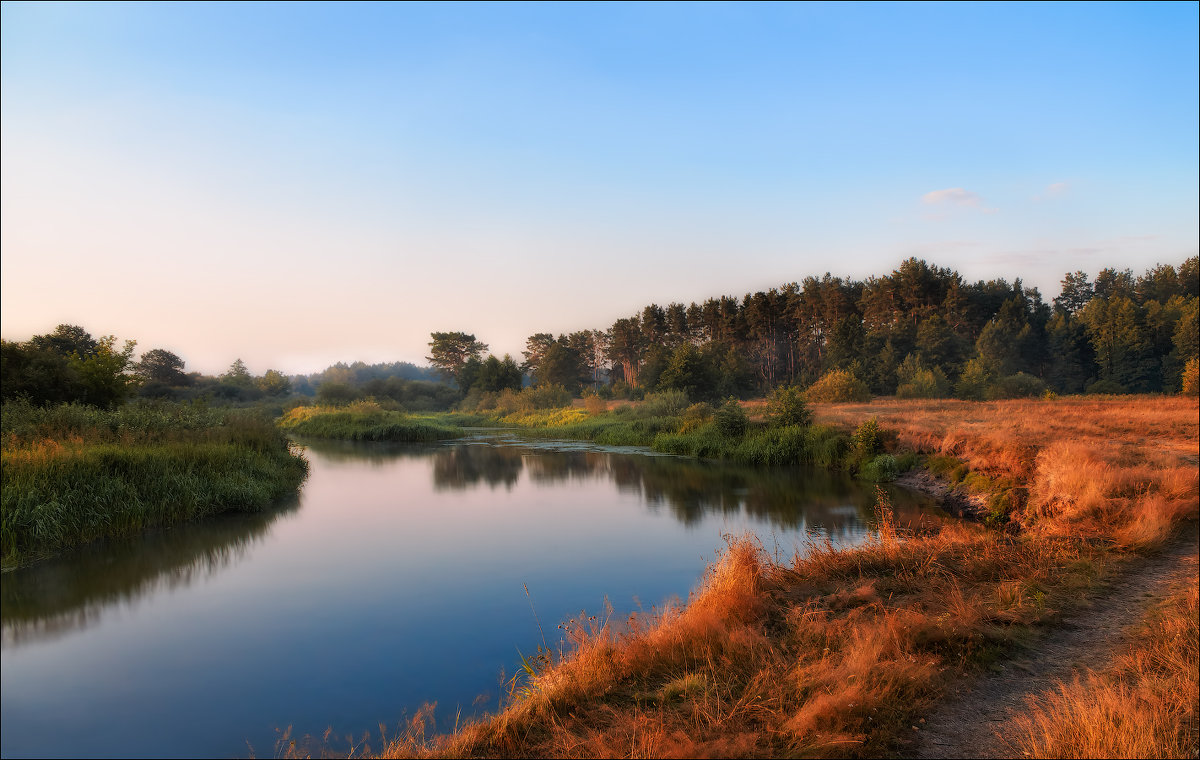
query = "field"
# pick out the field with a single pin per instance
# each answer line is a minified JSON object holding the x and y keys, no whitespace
{"x":839,"y":653}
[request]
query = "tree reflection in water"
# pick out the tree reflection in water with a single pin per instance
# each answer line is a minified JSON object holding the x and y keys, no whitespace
{"x":69,"y":593}
{"x":789,"y":498}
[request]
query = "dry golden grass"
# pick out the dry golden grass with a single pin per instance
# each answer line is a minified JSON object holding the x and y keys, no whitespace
{"x":837,"y":652}
{"x":1121,"y":468}
{"x":1144,"y":706}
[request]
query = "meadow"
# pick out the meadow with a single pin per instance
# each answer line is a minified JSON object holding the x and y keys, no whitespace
{"x":838,"y":652}
{"x":366,"y":421}
{"x":74,"y":473}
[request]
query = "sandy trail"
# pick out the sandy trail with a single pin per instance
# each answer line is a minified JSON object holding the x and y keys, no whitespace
{"x":969,"y":721}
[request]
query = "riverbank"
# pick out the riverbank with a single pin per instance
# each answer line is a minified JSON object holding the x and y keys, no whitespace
{"x":367,"y":421}
{"x":664,"y":423}
{"x":74,"y":474}
{"x":838,"y":653}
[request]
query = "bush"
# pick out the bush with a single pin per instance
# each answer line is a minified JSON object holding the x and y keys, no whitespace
{"x":1019,"y":385}
{"x":594,"y":404}
{"x":925,"y":383}
{"x":695,"y":417}
{"x":623,"y":390}
{"x":731,"y":419}
{"x":1107,"y":387}
{"x":786,"y":407}
{"x":664,"y":404}
{"x":838,"y":385}
{"x":880,"y":469}
{"x":1191,"y":378}
{"x":866,"y":439}
{"x":973,"y":383}
{"x":333,"y":394}
{"x":546,"y":397}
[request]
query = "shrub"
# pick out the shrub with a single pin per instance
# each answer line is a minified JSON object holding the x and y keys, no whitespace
{"x":1191,"y":377}
{"x":664,"y":404}
{"x":866,"y":439}
{"x":594,"y":404}
{"x":623,"y":390}
{"x":545,"y":397}
{"x":786,"y":407}
{"x":1019,"y":385}
{"x":1108,"y":387}
{"x":918,"y":381}
{"x":973,"y":382}
{"x":336,"y":394}
{"x":731,"y":419}
{"x":838,"y":385}
{"x":880,"y":469}
{"x":924,"y":383}
{"x":695,"y":417}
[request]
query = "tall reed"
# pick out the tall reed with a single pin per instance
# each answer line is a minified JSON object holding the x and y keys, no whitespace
{"x":73,"y":474}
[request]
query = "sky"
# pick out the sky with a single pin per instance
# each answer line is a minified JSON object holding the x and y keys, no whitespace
{"x":298,"y":184}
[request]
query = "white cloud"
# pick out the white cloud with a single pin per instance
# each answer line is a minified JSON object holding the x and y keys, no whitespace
{"x":953,"y":196}
{"x":1053,"y":190}
{"x":953,"y":200}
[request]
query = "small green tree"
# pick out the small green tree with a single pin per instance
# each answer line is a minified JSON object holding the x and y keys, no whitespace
{"x":238,"y":375}
{"x":450,"y":351}
{"x":102,"y":374}
{"x":920,"y":381}
{"x":274,"y":383}
{"x":973,"y":383}
{"x":866,"y":440}
{"x":786,"y":407}
{"x":731,"y":419}
{"x":160,"y":365}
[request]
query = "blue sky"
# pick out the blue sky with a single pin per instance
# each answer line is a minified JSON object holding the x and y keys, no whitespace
{"x":298,"y":184}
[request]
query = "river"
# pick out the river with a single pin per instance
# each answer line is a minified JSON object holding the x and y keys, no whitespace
{"x":400,"y":575}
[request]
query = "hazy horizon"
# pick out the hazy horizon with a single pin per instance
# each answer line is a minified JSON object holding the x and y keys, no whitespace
{"x":297,"y":185}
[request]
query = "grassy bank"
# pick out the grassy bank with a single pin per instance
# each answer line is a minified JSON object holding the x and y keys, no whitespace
{"x":366,"y":421}
{"x":697,"y":431}
{"x":836,"y":653}
{"x":73,"y":474}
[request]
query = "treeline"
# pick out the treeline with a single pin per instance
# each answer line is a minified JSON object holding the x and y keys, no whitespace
{"x":920,"y":331}
{"x":412,"y":387}
{"x":70,"y":365}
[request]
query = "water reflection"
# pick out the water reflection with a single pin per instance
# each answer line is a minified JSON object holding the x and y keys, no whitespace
{"x":789,"y":498}
{"x":71,"y":592}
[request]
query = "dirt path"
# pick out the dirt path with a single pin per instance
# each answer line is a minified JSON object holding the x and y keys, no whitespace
{"x":967,"y":722}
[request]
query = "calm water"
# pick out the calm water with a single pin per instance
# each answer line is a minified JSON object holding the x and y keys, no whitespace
{"x":397,"y":577}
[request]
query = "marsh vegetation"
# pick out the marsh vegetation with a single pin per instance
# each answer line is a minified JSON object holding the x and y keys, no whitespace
{"x":75,"y":473}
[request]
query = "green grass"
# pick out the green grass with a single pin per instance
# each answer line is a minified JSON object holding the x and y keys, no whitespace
{"x":647,"y":426}
{"x":366,"y":421}
{"x":74,"y":474}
